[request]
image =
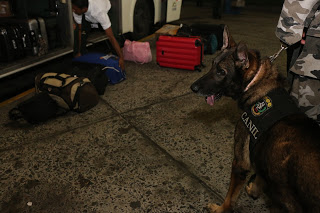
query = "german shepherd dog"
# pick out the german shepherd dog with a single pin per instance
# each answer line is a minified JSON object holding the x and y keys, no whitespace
{"x":286,"y":158}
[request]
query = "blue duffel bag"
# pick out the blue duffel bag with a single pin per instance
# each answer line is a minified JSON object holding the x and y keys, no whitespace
{"x":110,"y":65}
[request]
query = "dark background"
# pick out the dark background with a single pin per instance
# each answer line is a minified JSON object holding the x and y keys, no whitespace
{"x":250,"y":2}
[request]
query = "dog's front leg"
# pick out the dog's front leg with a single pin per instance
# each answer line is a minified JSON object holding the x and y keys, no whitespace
{"x":238,"y":179}
{"x":255,"y":186}
{"x":240,"y":168}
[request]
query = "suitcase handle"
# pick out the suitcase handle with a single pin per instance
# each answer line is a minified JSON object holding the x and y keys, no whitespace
{"x":198,"y":43}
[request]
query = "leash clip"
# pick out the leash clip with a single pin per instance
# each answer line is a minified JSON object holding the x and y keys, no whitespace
{"x":273,"y":57}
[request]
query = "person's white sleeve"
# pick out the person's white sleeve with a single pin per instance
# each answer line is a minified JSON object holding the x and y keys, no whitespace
{"x":104,"y":20}
{"x":77,"y":18}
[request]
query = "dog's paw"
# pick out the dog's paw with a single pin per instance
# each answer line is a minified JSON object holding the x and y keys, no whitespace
{"x":252,"y":191}
{"x":214,"y":208}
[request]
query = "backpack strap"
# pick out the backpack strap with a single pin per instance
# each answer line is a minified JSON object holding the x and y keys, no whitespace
{"x":62,"y":78}
{"x":56,"y":80}
{"x":111,"y":68}
{"x":75,"y":91}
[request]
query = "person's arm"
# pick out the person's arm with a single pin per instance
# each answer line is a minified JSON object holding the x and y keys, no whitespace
{"x":116,"y":46}
{"x":294,"y":18}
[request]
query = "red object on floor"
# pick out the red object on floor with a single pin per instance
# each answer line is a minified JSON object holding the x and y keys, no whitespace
{"x":180,"y":52}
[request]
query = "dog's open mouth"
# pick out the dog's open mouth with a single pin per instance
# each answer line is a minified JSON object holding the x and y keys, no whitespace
{"x":213,"y":98}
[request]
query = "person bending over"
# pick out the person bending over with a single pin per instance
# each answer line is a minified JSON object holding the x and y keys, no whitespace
{"x":92,"y":12}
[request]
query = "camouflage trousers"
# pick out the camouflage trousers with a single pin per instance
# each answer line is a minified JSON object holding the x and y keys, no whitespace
{"x":306,"y":92}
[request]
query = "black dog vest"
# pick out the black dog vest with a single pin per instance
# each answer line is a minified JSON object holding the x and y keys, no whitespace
{"x":263,"y":114}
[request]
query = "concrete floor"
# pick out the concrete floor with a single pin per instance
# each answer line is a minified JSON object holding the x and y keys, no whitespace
{"x":150,"y":145}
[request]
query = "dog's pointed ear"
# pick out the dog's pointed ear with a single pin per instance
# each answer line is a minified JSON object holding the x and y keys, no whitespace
{"x":242,"y":55}
{"x":228,"y":41}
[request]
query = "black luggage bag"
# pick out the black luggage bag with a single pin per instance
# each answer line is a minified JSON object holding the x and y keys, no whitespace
{"x":25,"y":37}
{"x":206,"y":32}
{"x":6,"y":47}
{"x":13,"y":41}
{"x":92,"y":71}
{"x":39,"y":108}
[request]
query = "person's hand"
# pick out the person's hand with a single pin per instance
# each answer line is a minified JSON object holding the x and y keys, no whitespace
{"x":303,"y":40}
{"x":121,"y":63}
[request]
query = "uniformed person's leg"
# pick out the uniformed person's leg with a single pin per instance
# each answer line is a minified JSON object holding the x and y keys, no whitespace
{"x":293,"y":52}
{"x":306,"y":92}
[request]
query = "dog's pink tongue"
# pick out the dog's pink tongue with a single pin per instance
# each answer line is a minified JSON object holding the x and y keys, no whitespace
{"x":210,"y":100}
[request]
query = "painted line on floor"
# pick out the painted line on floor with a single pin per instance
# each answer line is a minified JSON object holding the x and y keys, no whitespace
{"x":17,"y":97}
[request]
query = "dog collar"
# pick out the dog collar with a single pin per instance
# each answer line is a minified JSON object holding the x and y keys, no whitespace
{"x":254,"y":79}
{"x":260,"y":116}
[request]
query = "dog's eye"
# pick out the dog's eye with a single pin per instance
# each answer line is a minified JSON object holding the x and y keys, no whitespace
{"x":221,"y":72}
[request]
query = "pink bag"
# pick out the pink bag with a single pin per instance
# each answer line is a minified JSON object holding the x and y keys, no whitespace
{"x":137,"y":51}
